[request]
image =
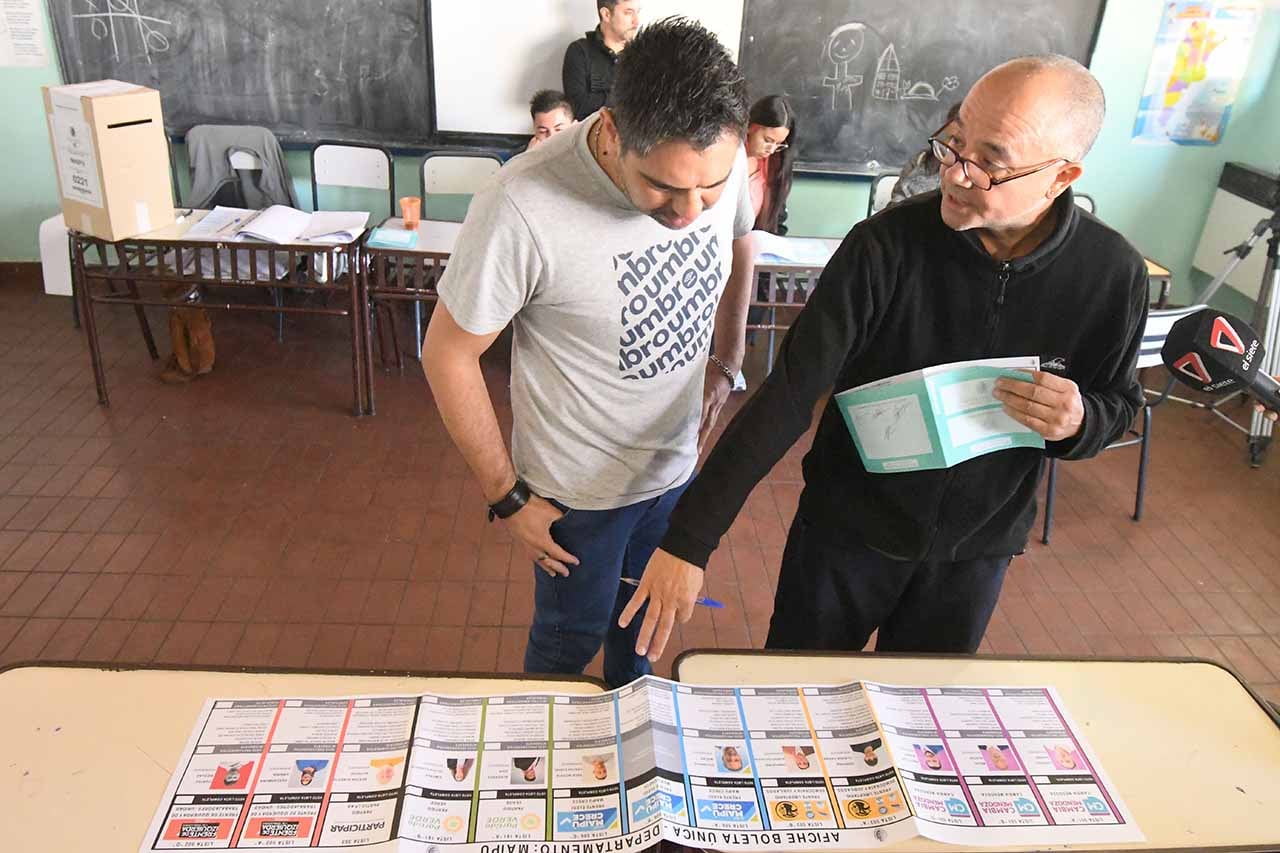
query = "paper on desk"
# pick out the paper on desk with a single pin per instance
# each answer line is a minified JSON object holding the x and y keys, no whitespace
{"x":936,"y":417}
{"x":276,"y":224}
{"x":777,"y":767}
{"x":791,"y":250}
{"x":335,"y":226}
{"x":217,"y":223}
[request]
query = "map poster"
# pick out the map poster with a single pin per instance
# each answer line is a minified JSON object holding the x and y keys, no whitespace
{"x":1200,"y":57}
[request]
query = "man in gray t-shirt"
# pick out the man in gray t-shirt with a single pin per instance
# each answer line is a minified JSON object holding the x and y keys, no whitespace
{"x":608,"y":249}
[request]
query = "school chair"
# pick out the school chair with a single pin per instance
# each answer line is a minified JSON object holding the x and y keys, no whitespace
{"x":450,"y":172}
{"x":1159,"y":322}
{"x":358,"y":166}
{"x":352,"y":165}
{"x":881,"y":191}
{"x":238,"y":166}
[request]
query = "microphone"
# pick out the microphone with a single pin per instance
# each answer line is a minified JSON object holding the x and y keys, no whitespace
{"x":1214,"y":352}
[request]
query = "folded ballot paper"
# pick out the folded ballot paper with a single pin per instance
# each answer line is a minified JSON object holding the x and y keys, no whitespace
{"x":936,"y":417}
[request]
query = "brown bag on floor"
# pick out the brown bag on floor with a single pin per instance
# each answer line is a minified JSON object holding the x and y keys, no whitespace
{"x":200,"y":338}
{"x":191,"y":335}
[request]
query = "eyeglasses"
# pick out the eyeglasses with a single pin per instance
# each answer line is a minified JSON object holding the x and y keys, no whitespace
{"x":778,"y":146}
{"x":975,"y":174}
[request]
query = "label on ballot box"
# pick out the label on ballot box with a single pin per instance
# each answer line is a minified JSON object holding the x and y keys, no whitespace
{"x":771,"y":767}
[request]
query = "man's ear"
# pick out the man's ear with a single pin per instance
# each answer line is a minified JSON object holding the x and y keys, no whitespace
{"x":609,"y":129}
{"x":1067,"y":175}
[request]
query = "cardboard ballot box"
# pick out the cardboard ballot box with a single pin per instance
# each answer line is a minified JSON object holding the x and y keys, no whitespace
{"x":111,"y":156}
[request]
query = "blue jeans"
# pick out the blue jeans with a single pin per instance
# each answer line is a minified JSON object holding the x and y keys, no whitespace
{"x":574,"y":615}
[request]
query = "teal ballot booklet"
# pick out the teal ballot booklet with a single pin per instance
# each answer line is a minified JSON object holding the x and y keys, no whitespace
{"x":393,"y":238}
{"x":936,"y":417}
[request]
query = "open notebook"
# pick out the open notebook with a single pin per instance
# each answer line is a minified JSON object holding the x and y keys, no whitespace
{"x":276,"y":224}
{"x":280,"y":224}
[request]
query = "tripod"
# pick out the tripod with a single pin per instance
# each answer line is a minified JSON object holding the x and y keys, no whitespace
{"x":1266,"y":320}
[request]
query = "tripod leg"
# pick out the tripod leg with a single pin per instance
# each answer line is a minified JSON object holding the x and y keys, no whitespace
{"x":1259,"y":427}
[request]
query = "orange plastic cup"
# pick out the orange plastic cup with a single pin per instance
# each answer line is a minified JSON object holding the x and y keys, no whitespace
{"x":411,"y":212}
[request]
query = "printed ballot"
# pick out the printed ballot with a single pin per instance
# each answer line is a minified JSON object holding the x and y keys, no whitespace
{"x":783,"y":767}
{"x":936,"y":417}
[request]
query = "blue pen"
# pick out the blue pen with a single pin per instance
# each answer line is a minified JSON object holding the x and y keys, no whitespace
{"x":702,"y":599}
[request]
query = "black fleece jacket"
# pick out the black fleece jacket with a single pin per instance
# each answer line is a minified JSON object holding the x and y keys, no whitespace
{"x":903,"y":292}
{"x":587,"y":73}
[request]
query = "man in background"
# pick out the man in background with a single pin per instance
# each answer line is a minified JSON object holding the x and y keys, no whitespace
{"x":590,"y":62}
{"x":551,"y":112}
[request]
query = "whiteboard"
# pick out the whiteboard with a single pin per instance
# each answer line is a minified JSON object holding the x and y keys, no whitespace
{"x":489,"y":59}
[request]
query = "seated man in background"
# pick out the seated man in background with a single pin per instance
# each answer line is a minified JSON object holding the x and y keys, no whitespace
{"x":551,"y":114}
{"x":999,"y":263}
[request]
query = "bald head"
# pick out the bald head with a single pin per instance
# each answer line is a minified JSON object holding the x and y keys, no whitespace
{"x":1065,"y":98}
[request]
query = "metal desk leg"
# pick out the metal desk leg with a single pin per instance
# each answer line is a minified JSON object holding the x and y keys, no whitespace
{"x":357,"y":369}
{"x":75,"y":299}
{"x":773,"y":321}
{"x":140,"y":312}
{"x":277,"y":295}
{"x":90,"y":325}
{"x":417,"y":329}
{"x":367,"y":309}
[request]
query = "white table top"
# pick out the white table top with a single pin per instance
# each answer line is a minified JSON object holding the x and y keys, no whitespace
{"x":1189,"y":750}
{"x":87,"y":753}
{"x":434,"y":235}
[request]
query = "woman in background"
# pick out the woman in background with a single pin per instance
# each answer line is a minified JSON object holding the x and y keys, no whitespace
{"x":771,"y":151}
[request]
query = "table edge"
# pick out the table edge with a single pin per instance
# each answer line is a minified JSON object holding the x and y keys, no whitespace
{"x":110,"y":666}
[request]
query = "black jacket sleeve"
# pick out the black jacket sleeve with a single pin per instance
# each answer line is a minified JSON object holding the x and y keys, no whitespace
{"x":832,"y":327}
{"x":1111,"y":403}
{"x":575,"y":76}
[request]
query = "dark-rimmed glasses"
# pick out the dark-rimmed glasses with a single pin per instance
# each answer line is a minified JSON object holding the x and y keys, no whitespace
{"x":975,"y":174}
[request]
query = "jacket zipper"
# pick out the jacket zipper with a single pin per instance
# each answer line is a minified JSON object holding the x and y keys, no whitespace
{"x":1002,"y":280}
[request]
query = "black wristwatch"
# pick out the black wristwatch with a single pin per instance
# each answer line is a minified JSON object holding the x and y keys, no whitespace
{"x":512,"y":502}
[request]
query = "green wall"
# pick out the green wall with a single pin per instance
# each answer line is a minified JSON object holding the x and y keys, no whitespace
{"x":1157,"y":196}
{"x":28,"y":188}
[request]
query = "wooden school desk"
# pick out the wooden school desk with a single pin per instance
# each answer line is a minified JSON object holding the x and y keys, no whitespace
{"x":1192,"y":751}
{"x":389,"y":276}
{"x":87,"y":751}
{"x":1161,"y":276}
{"x":786,"y":284}
{"x":166,"y":261}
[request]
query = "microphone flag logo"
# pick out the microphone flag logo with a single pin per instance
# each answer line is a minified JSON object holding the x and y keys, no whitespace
{"x":1223,"y":337}
{"x":1192,"y":366}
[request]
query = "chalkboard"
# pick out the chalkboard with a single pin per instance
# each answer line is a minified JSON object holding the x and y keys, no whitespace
{"x":871,"y":79}
{"x":353,"y":70}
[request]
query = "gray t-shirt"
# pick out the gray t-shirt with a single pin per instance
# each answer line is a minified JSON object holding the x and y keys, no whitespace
{"x":612,"y":315}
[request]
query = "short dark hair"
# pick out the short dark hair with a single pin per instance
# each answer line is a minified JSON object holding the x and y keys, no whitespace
{"x":606,"y":4}
{"x":546,"y":100}
{"x":676,"y":81}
